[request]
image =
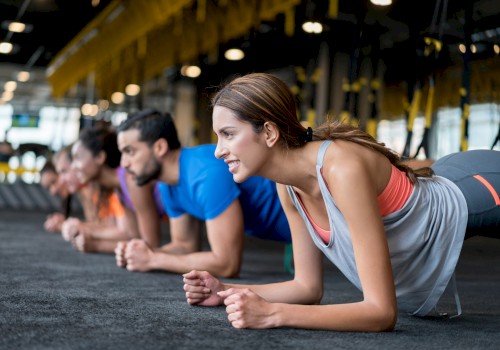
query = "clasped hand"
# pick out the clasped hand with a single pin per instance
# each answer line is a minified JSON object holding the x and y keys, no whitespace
{"x":244,"y":308}
{"x":135,"y":255}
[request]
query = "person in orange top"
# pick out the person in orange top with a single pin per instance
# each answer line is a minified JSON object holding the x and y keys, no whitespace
{"x":105,"y":223}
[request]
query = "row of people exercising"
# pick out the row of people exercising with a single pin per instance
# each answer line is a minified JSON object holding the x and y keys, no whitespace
{"x":184,"y":187}
{"x":395,"y":232}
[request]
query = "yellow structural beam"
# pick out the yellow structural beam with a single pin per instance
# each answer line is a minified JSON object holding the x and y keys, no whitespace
{"x":136,"y":39}
{"x":5,"y":168}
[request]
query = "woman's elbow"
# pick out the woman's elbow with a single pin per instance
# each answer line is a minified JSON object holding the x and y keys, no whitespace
{"x":386,"y":320}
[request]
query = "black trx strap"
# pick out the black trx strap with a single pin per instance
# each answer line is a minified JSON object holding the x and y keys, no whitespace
{"x":465,"y":89}
{"x":414,"y":95}
{"x":371,"y":124}
{"x":432,"y":50}
{"x":352,"y":84}
{"x":497,"y":139}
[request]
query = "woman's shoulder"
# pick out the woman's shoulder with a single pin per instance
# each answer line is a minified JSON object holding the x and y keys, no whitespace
{"x":348,"y":160}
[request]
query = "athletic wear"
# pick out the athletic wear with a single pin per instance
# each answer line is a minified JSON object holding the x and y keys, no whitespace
{"x":125,"y":195}
{"x":111,"y":209}
{"x":396,"y":193}
{"x":392,"y":198}
{"x":425,"y":238}
{"x":206,"y":189}
{"x":477,"y":174}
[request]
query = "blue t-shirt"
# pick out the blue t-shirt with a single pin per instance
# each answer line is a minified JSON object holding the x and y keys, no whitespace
{"x":206,"y":189}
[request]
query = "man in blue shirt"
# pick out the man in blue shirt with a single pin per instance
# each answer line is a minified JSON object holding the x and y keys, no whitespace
{"x":196,"y":188}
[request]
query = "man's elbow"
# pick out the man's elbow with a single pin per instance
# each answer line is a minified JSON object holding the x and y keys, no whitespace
{"x":227,"y":270}
{"x":311,"y":294}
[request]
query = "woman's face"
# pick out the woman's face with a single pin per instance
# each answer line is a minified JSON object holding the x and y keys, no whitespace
{"x":68,"y":174}
{"x":86,"y":166}
{"x":243,"y":150}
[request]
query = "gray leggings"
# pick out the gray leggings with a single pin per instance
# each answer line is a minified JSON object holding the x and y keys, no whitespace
{"x":477,"y":174}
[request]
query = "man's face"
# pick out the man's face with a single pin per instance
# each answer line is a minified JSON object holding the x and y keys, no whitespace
{"x":138,"y":157}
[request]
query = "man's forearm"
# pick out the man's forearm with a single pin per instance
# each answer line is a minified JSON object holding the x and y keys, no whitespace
{"x":207,"y":260}
{"x":178,"y":248}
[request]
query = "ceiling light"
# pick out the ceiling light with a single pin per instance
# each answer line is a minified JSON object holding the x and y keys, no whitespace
{"x":117,"y":97}
{"x":132,"y":89}
{"x":191,"y":71}
{"x":23,"y":76}
{"x":312,"y":27}
{"x":381,"y":2}
{"x":94,"y":109}
{"x":10,"y":86}
{"x":496,"y":48}
{"x":6,"y":47}
{"x":234,"y":54}
{"x":86,"y":109}
{"x":17,"y":27}
{"x":103,"y":104}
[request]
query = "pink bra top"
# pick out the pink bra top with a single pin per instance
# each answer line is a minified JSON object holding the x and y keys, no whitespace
{"x":393,"y":198}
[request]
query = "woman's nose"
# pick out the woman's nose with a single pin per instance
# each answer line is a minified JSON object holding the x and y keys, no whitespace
{"x":219,"y":151}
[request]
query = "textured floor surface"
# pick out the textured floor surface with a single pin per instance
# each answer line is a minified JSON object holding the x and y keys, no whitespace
{"x":52,"y":297}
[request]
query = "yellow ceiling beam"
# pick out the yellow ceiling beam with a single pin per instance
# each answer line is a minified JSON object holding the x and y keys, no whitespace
{"x":118,"y":26}
{"x":155,"y":35}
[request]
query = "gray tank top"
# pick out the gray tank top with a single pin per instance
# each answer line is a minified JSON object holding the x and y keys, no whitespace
{"x":425,"y":238}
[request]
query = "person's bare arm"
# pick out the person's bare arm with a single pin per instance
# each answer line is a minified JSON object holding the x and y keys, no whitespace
{"x":54,"y":222}
{"x":305,"y":288}
{"x":110,"y":231}
{"x":146,"y":213}
{"x":185,"y":236}
{"x":101,"y":237}
{"x":354,"y":191}
{"x":269,"y":306}
{"x":225,"y":235}
{"x":87,"y":244}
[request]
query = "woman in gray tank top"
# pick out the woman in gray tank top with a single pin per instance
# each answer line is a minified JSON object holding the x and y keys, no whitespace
{"x":329,"y":181}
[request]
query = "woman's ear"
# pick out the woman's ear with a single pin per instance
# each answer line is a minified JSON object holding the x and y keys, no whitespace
{"x":101,"y":158}
{"x":271,"y":133}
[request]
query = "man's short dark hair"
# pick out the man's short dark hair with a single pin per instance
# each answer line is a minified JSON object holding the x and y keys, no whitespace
{"x":152,"y":125}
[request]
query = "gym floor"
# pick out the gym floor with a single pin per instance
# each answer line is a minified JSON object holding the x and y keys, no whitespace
{"x":53,"y":297}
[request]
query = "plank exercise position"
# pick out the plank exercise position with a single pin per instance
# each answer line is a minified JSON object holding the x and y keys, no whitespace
{"x":195,"y":188}
{"x":394,"y":232}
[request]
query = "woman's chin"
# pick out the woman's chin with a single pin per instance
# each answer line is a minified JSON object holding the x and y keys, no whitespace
{"x":239,"y":178}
